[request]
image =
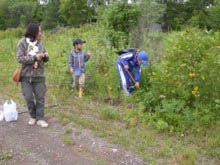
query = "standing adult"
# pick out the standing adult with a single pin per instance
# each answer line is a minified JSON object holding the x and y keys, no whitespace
{"x":32,"y":54}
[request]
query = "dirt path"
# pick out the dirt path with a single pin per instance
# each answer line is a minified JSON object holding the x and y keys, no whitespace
{"x":34,"y":145}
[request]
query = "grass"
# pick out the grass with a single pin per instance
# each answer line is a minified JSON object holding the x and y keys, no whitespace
{"x":69,"y":130}
{"x":117,"y":124}
{"x":109,"y":114}
{"x":78,"y":132}
{"x":4,"y":156}
{"x":101,"y":162}
{"x":153,"y":146}
{"x":68,"y":141}
{"x":187,"y":157}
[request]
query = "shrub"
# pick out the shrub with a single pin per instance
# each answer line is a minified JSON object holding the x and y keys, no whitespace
{"x":184,"y":85}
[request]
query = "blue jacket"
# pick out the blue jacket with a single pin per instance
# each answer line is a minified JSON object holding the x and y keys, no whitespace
{"x":130,"y":60}
{"x":77,"y":61}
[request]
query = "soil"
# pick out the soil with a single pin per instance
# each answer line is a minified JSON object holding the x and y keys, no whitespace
{"x":30,"y":145}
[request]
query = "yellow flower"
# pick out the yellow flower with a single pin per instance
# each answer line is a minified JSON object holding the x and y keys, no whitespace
{"x":191,"y":74}
{"x":218,"y":46}
{"x":193,"y":92}
{"x":196,"y":88}
{"x":177,"y":83}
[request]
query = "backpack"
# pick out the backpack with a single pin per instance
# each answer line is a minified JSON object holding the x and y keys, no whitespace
{"x":130,"y":50}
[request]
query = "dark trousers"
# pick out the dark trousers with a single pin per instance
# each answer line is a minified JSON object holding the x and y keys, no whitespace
{"x":34,"y":94}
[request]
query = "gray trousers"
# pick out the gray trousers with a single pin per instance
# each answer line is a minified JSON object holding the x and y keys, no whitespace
{"x":34,"y":94}
{"x":79,"y":81}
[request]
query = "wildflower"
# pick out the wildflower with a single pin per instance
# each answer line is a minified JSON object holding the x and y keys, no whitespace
{"x":196,"y":88}
{"x":177,"y":83}
{"x":191,"y":74}
{"x":193,"y":92}
{"x":218,"y":46}
{"x":162,"y":97}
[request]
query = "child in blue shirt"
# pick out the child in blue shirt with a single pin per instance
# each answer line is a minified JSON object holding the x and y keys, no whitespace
{"x":76,"y":63}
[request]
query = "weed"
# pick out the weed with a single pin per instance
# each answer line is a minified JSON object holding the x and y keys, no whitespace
{"x":69,"y":130}
{"x":101,"y":162}
{"x":68,"y":141}
{"x":78,"y":132}
{"x":187,"y":157}
{"x":213,"y":146}
{"x":109,"y":114}
{"x":4,"y":156}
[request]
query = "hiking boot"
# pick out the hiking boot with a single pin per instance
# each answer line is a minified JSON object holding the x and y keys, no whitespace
{"x":42,"y":123}
{"x":32,"y":121}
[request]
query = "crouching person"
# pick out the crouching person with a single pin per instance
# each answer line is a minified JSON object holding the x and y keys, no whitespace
{"x":76,"y":63}
{"x":32,"y":54}
{"x":127,"y":61}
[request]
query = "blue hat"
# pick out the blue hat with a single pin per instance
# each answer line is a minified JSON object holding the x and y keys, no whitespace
{"x":143,"y":57}
{"x":78,"y":41}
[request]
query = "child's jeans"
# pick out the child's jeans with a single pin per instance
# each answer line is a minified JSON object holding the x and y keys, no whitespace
{"x":79,"y":81}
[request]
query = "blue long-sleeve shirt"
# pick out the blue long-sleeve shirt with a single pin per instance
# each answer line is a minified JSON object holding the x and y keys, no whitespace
{"x":130,"y":60}
{"x":77,"y":61}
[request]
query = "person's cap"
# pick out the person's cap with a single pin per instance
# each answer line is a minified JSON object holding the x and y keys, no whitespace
{"x":143,"y":57}
{"x":78,"y":41}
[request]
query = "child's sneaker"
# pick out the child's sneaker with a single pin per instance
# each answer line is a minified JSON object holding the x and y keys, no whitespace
{"x":42,"y":123}
{"x":32,"y":121}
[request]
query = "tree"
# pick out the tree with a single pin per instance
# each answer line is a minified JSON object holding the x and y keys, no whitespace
{"x":151,"y":13}
{"x":119,"y":18}
{"x":15,"y":12}
{"x":178,"y":13}
{"x":75,"y":12}
{"x":48,"y":15}
{"x":209,"y":19}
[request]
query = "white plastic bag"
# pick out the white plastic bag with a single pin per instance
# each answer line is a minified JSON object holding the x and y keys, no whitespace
{"x":10,"y":112}
{"x":1,"y":113}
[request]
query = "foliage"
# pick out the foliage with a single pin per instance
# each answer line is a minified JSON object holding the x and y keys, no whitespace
{"x":177,"y":15}
{"x":179,"y":90}
{"x":183,"y":89}
{"x":119,"y":17}
{"x":48,"y":15}
{"x":118,"y":20}
{"x":210,"y":18}
{"x":75,"y":12}
{"x":15,"y":13}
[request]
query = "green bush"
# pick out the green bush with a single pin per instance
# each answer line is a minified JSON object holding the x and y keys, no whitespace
{"x":183,"y":88}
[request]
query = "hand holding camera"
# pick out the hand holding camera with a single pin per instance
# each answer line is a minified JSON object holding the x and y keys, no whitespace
{"x":39,"y":56}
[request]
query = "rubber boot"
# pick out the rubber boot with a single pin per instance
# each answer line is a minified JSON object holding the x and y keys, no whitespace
{"x":80,"y":92}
